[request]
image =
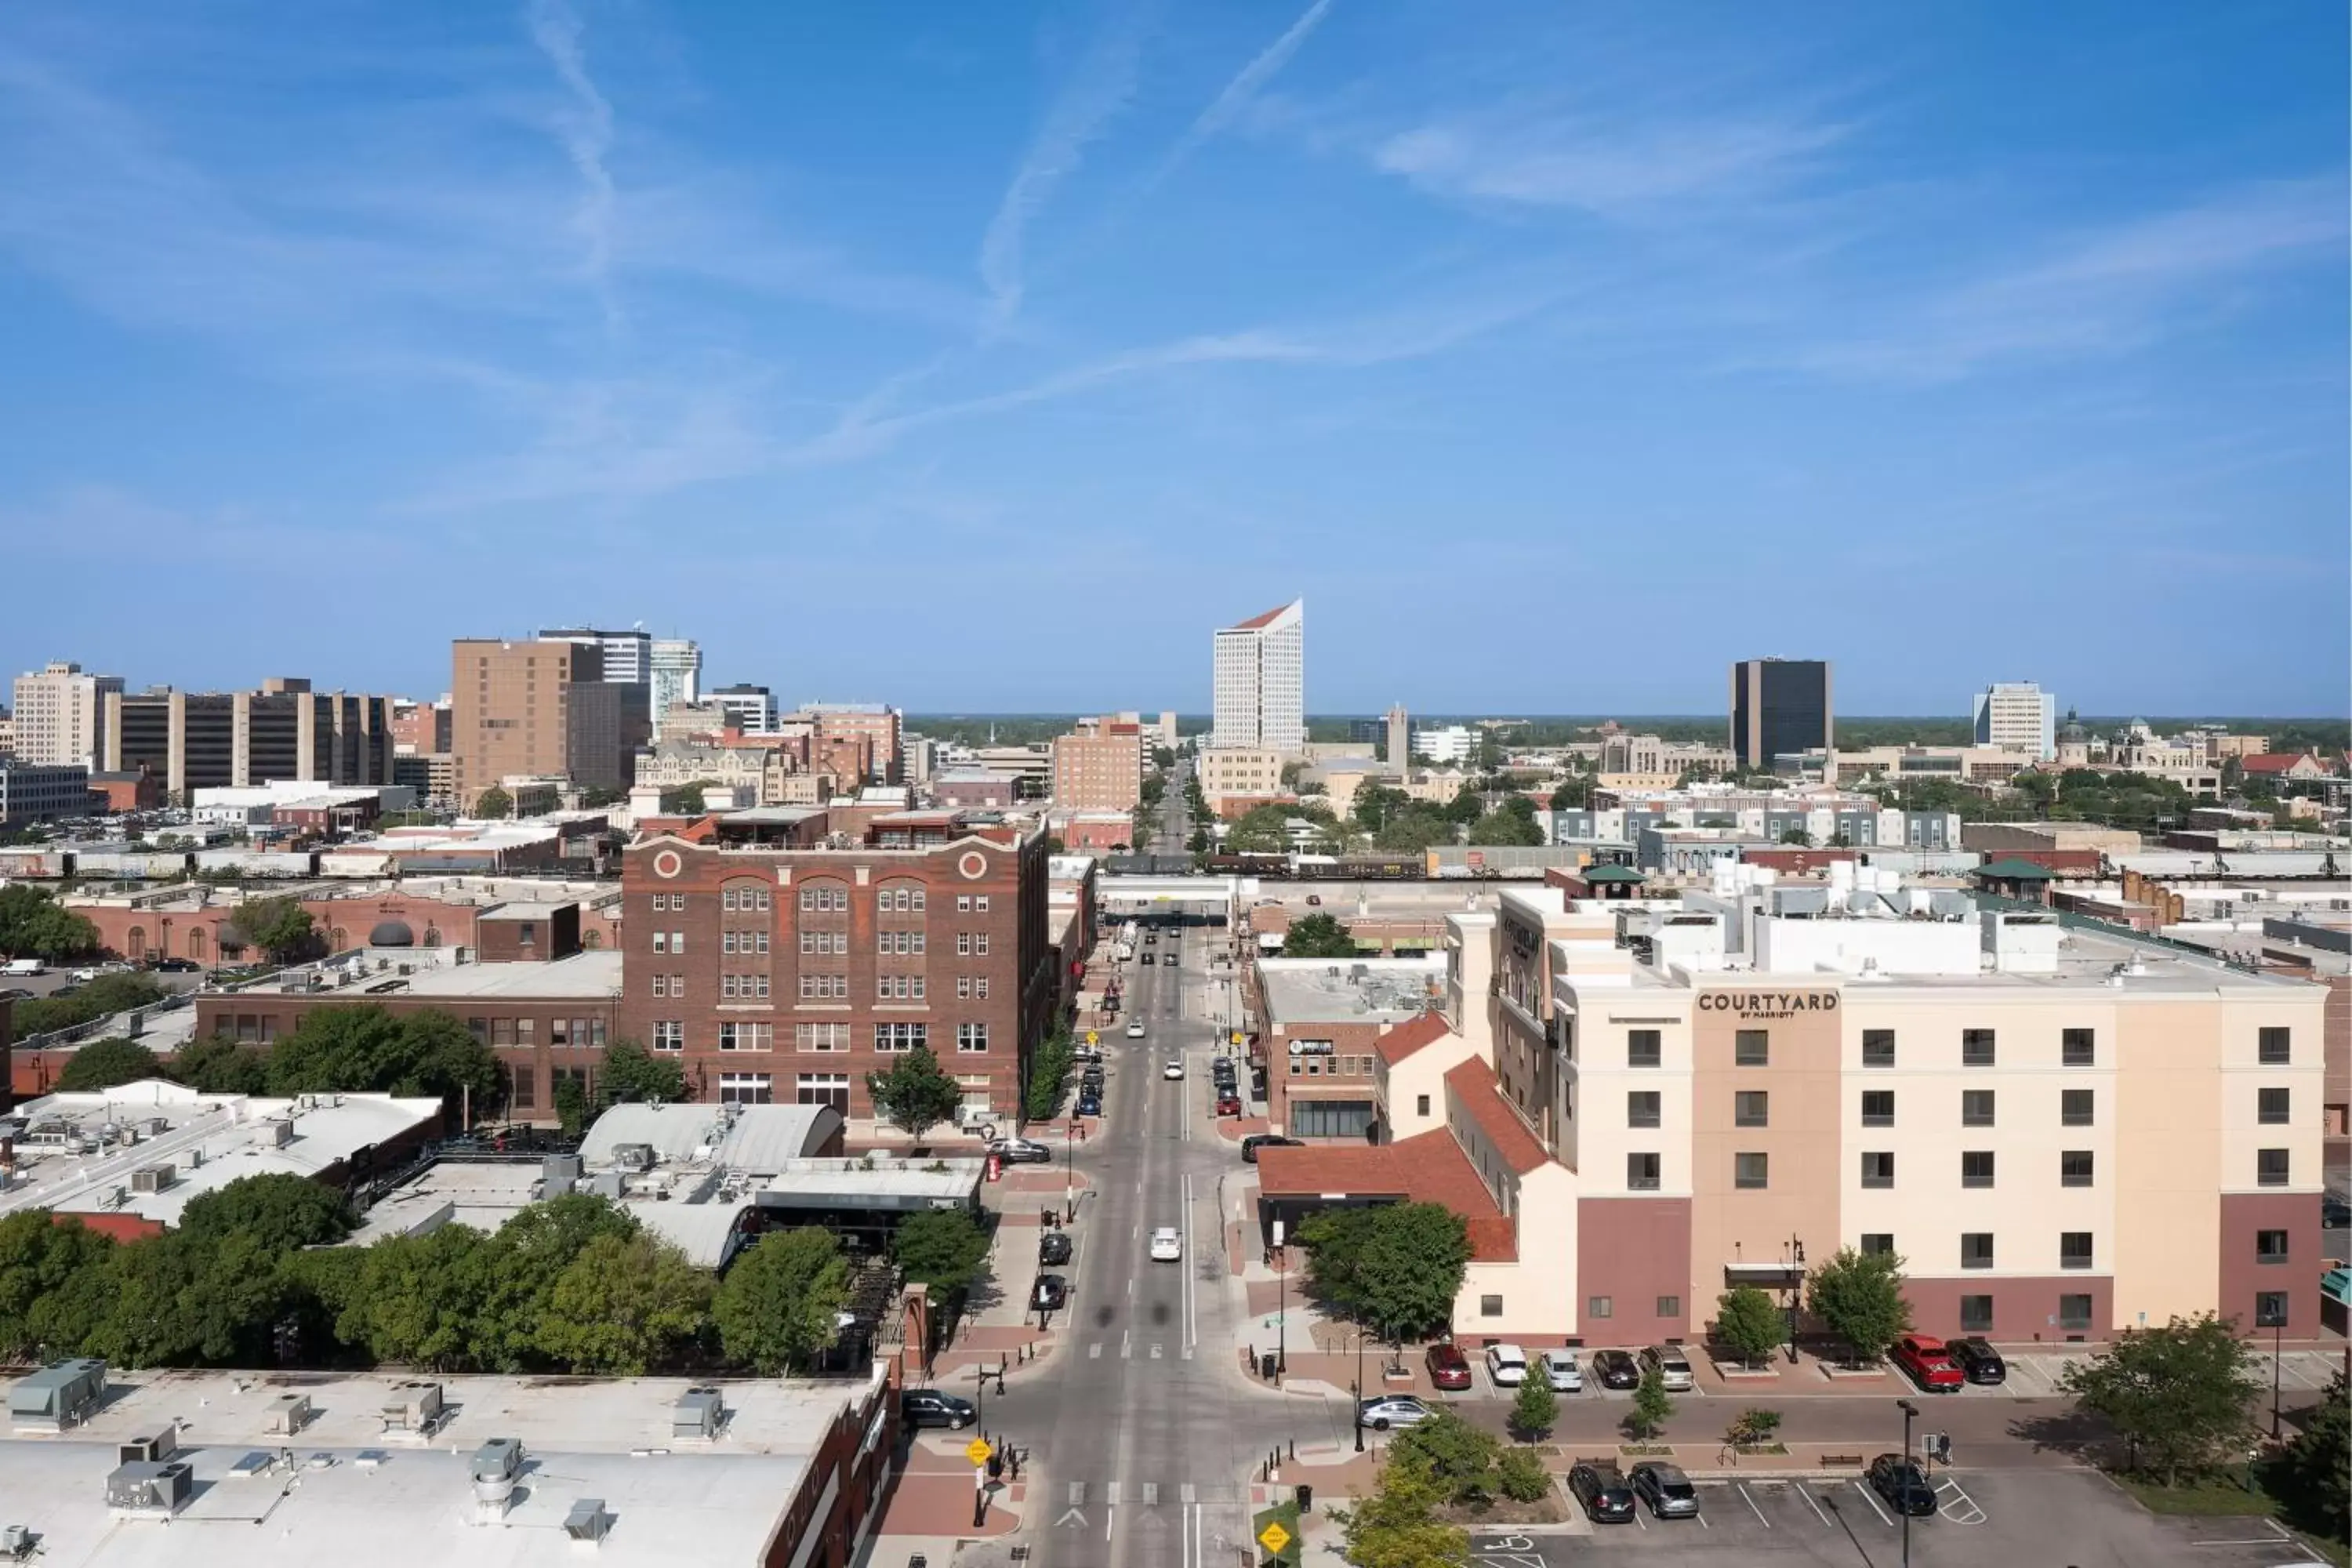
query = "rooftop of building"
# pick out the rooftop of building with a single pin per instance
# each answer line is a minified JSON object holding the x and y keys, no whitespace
{"x":1346,"y":990}
{"x":441,"y":972}
{"x":1415,"y":1034}
{"x":86,"y":1153}
{"x":354,"y":1489}
{"x":1428,"y":1168}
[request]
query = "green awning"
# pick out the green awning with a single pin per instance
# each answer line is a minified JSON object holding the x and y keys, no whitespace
{"x":2013,"y":869}
{"x":1611,"y":874}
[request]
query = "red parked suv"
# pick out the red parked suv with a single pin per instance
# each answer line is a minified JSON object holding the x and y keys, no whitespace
{"x":1448,"y":1367}
{"x":1924,"y":1357}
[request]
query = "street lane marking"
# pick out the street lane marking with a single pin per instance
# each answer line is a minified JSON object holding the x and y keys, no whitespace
{"x":1807,"y":1493}
{"x":1152,"y":1494}
{"x":1155,"y":1353}
{"x":1112,"y":1498}
{"x":1126,"y":1349}
{"x":1751,"y":1505}
{"x":1094,"y":1351}
{"x":1185,"y":1493}
{"x":1873,"y":1501}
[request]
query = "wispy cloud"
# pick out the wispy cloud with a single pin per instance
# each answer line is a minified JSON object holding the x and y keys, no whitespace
{"x":1600,"y":165}
{"x":2108,"y":291}
{"x":1244,"y":88}
{"x":587,"y":135}
{"x":1096,"y":90}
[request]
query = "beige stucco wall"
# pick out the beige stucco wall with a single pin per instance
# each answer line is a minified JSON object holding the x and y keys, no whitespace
{"x":1539,"y":1290}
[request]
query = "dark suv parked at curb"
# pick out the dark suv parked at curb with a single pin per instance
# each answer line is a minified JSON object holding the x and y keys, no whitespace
{"x":1977,"y":1360}
{"x":929,"y":1407}
{"x":1606,"y":1498}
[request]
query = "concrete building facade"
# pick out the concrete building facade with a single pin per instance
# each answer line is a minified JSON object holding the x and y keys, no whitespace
{"x":1259,"y":673}
{"x":31,"y":793}
{"x":283,"y":731}
{"x":59,"y":716}
{"x":1098,"y":766}
{"x":2018,"y":716}
{"x":541,"y":709}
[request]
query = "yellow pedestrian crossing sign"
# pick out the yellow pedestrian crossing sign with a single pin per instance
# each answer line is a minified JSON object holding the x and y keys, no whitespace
{"x":1274,"y":1538}
{"x":1237,"y":1036}
{"x":977,"y":1450}
{"x":1090,"y":1038}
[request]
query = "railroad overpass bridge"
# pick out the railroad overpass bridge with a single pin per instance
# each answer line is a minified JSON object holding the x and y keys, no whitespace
{"x":1215,"y":900}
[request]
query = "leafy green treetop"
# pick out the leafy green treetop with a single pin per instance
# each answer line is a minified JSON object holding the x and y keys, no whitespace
{"x":624,"y":1306}
{"x":780,"y":1300}
{"x":1859,"y":1295}
{"x":1317,"y":935}
{"x":635,"y":1076}
{"x":914,"y":1094}
{"x":104,"y":1064}
{"x":2178,"y":1395}
{"x":1747,"y":1325}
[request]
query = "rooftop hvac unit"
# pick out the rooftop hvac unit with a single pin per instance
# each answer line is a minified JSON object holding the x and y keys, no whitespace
{"x":415,"y":1407}
{"x":497,"y":1463}
{"x":634,"y":1156}
{"x":152,"y":1178}
{"x":560,"y":1171}
{"x":697,"y":1414}
{"x":158,"y":1489}
{"x":587,"y":1520}
{"x":151,"y":1450}
{"x":18,"y":1540}
{"x":287,"y":1413}
{"x":277,"y":1132}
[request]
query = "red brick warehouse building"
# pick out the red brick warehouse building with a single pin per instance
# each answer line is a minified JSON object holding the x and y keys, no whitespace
{"x":782,"y":962}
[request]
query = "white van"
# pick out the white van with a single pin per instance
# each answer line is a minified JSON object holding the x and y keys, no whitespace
{"x":25,"y":967}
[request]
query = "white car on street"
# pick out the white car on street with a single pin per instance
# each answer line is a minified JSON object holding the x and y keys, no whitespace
{"x":1507,"y":1364}
{"x":1135,"y":1029}
{"x":1559,"y":1369}
{"x":1166,"y":1244}
{"x":1174,"y":1069}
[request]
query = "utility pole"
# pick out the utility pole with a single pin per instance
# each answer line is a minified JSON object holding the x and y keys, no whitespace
{"x":1909,"y":1412}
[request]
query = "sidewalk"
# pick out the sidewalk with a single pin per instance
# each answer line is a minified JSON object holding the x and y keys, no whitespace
{"x":929,"y":1511}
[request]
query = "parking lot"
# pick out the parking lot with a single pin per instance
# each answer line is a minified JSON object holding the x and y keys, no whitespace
{"x":2026,"y":1516}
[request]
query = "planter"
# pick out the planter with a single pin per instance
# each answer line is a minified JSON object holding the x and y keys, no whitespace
{"x":1832,"y":1371}
{"x":1646,"y":1450}
{"x":1759,"y":1450}
{"x":1403,"y":1377}
{"x":1736,"y":1372}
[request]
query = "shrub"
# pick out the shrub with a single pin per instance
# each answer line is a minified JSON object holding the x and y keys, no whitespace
{"x":1521,"y":1475}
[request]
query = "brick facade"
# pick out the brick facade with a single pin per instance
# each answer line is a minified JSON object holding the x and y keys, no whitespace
{"x":802,"y":970}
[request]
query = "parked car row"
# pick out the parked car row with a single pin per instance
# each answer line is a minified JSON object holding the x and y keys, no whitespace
{"x":1508,"y":1365}
{"x":1946,"y":1366}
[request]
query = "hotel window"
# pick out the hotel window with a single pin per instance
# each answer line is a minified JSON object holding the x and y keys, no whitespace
{"x":1874,"y":1241}
{"x":2273,"y":1103}
{"x":526,"y":1033}
{"x":1752,"y":1048}
{"x":2270,"y":1167}
{"x":676,"y":942}
{"x":670,"y":1035}
{"x":1976,"y":1249}
{"x":2075,"y":1106}
{"x":963,"y":944}
{"x":733,"y":1036}
{"x":820,"y":1036}
{"x":2075,"y":1167}
{"x":824,"y":1089}
{"x":1878,"y":1108}
{"x":1642,"y":1173}
{"x":2073,"y":1311}
{"x":964,"y":903}
{"x":1751,"y":1172}
{"x":963,"y":987}
{"x":1976,"y":1107}
{"x":1670,"y":1306}
{"x":979,"y":945}
{"x":1643,"y":1048}
{"x":892,"y":1037}
{"x":522,"y":1087}
{"x":2270,"y":1247}
{"x":2274,"y":1047}
{"x":746,"y":1088}
{"x":980,"y":903}
{"x":1490,"y":1306}
{"x":1976,"y":1168}
{"x":502,"y":1032}
{"x":1975,"y":1314}
{"x":824,"y":987}
{"x":2078,"y":1049}
{"x":1642,"y":1106}
{"x":1976,"y":1048}
{"x":2073,"y":1249}
{"x":661,"y":942}
{"x":1878,"y":1169}
{"x":1751,"y":1107}
{"x":661,"y":985}
{"x":559,"y":1034}
{"x":1420,"y":1105}
{"x":1601,"y":1307}
{"x":758,"y":941}
{"x":1878,"y":1047}
{"x":972,"y":1037}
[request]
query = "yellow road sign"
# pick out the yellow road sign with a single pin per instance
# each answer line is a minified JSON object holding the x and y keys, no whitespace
{"x":1274,"y":1538}
{"x":1237,"y":1036}
{"x":977,"y":1450}
{"x":1090,"y":1038}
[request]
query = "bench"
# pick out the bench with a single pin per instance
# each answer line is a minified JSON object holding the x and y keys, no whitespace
{"x":1841,"y":1461}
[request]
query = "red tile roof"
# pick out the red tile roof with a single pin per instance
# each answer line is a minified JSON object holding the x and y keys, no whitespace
{"x":1406,"y":1038}
{"x":1254,"y":622}
{"x":1481,"y":1098}
{"x":1429,"y":1169}
{"x":2273,"y":762}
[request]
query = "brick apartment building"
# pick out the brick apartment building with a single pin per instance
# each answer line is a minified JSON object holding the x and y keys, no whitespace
{"x":782,"y":962}
{"x":1098,"y":766}
{"x":542,"y":710}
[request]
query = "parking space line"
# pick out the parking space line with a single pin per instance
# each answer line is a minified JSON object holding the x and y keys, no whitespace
{"x":1637,"y":1516}
{"x":1751,"y":1505}
{"x":1874,"y":1505}
{"x":1963,"y":1508}
{"x":1807,"y":1493}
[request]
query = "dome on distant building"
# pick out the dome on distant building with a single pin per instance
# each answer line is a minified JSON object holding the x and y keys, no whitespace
{"x":391,"y":933}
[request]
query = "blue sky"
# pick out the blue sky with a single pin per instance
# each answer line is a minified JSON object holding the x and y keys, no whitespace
{"x":986,"y":356}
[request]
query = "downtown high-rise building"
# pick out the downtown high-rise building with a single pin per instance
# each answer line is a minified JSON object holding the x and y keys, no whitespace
{"x":627,"y":657}
{"x":674,"y":674}
{"x":541,"y":709}
{"x":1260,"y":681}
{"x":2018,"y":716}
{"x":1779,"y":707}
{"x":60,"y":716}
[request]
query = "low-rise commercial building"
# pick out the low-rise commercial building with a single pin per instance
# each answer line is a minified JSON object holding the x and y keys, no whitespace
{"x":32,"y":792}
{"x":1320,"y":1021}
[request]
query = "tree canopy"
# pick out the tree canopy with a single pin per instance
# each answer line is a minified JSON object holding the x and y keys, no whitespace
{"x":103,"y":1064}
{"x":1858,"y":1296}
{"x":1504,"y":825}
{"x":633,"y":1075}
{"x":942,"y":1248}
{"x":34,"y":925}
{"x":218,"y":1064}
{"x":779,"y":1303}
{"x":493,"y":804}
{"x":1318,"y":935}
{"x":282,"y":1211}
{"x":1397,"y":1525}
{"x":357,"y":1048}
{"x":1395,"y":1269}
{"x":914,"y":1094}
{"x":100,"y":998}
{"x":279,"y":927}
{"x":2178,"y":1395}
{"x":2314,"y":1475}
{"x":625,"y":1305}
{"x":1747,"y":1325}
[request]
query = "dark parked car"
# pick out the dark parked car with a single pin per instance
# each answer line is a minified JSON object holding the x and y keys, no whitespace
{"x":1898,"y":1480}
{"x":1258,"y":1140}
{"x":1448,"y":1367}
{"x":1977,"y":1360}
{"x":1615,"y":1368}
{"x":929,"y":1407}
{"x":1055,"y":1246}
{"x":1603,"y":1492}
{"x":1089,"y":1105}
{"x":1021,"y":1152}
{"x":1049,"y":1294}
{"x":1668,"y":1490}
{"x":177,"y":965}
{"x":1149,"y":959}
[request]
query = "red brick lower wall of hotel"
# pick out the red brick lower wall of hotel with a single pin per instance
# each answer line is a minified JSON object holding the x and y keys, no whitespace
{"x":2244,"y":1276}
{"x":2023,"y":1308}
{"x":1633,"y":1251}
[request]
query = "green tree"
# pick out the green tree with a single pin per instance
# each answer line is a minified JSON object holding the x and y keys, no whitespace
{"x":1652,"y":1406}
{"x":103,"y":1064}
{"x":780,"y":1302}
{"x":942,"y":1248}
{"x":1503,"y":826}
{"x":686,"y":800}
{"x":493,"y":804}
{"x":362,"y":1048}
{"x":1397,"y":1525}
{"x":2178,"y":1395}
{"x":1396,"y":1271}
{"x":1573,"y":795}
{"x":571,"y":1107}
{"x":1317,"y":935}
{"x":624,"y":1306}
{"x":218,"y":1064}
{"x":34,"y":925}
{"x":1049,"y":1076}
{"x":100,"y":998}
{"x":1535,"y":1409}
{"x":1858,"y":1296}
{"x":533,"y":1249}
{"x":420,"y":1298}
{"x":46,"y":1267}
{"x":282,"y":1211}
{"x":1375,"y":805}
{"x":913,"y":1094}
{"x":1414,"y":832}
{"x":279,"y":927}
{"x":1799,"y":837}
{"x":2314,"y":1475}
{"x":1335,"y":1241}
{"x":1453,"y":1454}
{"x":633,"y":1075}
{"x":1520,"y":1475}
{"x":1747,"y":1325}
{"x":1467,"y":805}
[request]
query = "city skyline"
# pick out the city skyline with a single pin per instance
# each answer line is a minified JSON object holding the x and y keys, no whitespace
{"x":1453,"y":334}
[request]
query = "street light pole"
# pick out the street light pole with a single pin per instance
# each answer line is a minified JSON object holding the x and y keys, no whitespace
{"x":1360,"y":1387}
{"x":2278,"y":1337}
{"x":1281,"y":1312}
{"x":1909,"y":1411}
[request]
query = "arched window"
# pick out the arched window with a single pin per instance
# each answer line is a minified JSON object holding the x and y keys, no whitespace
{"x":744,"y":895}
{"x":135,"y":945}
{"x":341,"y":940}
{"x":824,"y":896}
{"x":902,"y":897}
{"x":196,"y":941}
{"x":592,"y":939}
{"x":433,"y":936}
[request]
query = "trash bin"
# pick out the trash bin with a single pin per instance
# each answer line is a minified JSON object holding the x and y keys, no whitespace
{"x":1306,"y":1500}
{"x":1266,"y":1366}
{"x":1050,"y":1217}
